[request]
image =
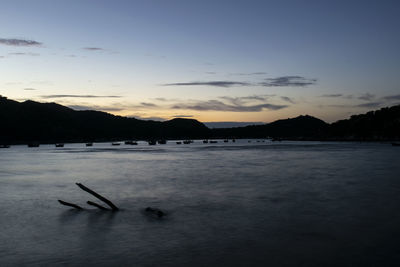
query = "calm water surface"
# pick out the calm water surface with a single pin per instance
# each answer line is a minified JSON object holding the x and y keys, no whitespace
{"x":228,"y":204}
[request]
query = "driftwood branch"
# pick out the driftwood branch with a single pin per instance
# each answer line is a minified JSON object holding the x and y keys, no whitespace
{"x":97,"y":205}
{"x":105,"y":200}
{"x":70,"y":205}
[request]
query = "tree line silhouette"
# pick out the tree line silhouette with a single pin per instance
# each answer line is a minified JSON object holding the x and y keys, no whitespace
{"x":29,"y":121}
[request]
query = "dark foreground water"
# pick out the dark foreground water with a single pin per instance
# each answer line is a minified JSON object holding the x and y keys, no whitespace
{"x":235,"y":204}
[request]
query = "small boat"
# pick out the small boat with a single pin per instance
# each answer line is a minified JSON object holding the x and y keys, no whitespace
{"x":33,"y":145}
{"x":89,"y":144}
{"x":59,"y":145}
{"x":213,"y":142}
{"x":233,"y":140}
{"x":152,"y":142}
{"x":395,"y":144}
{"x":115,"y":144}
{"x":4,"y":146}
{"x":226,"y":141}
{"x":162,"y":142}
{"x":186,"y":142}
{"x":205,"y":141}
{"x":179,"y":143}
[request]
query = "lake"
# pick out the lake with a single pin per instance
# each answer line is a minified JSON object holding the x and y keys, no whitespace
{"x":227,"y":204}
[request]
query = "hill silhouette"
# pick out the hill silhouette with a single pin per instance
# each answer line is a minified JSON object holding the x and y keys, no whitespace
{"x":51,"y":123}
{"x":299,"y":127}
{"x":30,"y":121}
{"x":383,"y":124}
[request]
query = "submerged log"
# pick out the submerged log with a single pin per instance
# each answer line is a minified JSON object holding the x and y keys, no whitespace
{"x":105,"y":200}
{"x":155,"y":212}
{"x":97,"y":205}
{"x":70,"y":205}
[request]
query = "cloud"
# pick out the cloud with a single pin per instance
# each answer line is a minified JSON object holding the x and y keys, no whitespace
{"x":24,"y":54}
{"x":29,"y":89}
{"x":332,"y":95}
{"x":148,"y":104}
{"x":210,"y":83}
{"x":93,"y":48}
{"x":217,"y":105}
{"x":366,"y":97}
{"x":246,"y":99}
{"x":283,"y":81}
{"x":19,"y":42}
{"x":80,"y":96}
{"x":248,"y":73}
{"x":143,"y":105}
{"x":94,"y":107}
{"x":369,"y":105}
{"x":143,"y":117}
{"x":392,"y":97}
{"x":210,"y":72}
{"x":183,"y":116}
{"x":287,"y":99}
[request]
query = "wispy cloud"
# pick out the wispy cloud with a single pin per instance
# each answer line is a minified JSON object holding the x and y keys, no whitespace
{"x":210,"y":83}
{"x":19,"y":42}
{"x":369,"y":105}
{"x":332,"y":95}
{"x":29,"y":89}
{"x":183,"y":116}
{"x":80,"y":96}
{"x":93,"y":48}
{"x":216,"y":105}
{"x":287,"y":99}
{"x":247,"y":73}
{"x":24,"y":54}
{"x":162,"y":99}
{"x":392,"y":97}
{"x":366,"y":97}
{"x":145,"y":104}
{"x":95,"y":107}
{"x":286,"y":81}
{"x":147,"y":118}
{"x":246,"y":99}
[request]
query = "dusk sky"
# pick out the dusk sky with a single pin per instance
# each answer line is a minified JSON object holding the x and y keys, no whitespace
{"x":246,"y":61}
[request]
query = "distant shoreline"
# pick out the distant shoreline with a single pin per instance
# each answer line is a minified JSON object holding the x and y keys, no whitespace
{"x":29,"y":121}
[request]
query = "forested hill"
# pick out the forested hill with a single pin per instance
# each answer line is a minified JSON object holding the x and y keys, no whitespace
{"x":383,"y":124}
{"x":50,"y":122}
{"x":379,"y":125}
{"x":299,"y":127}
{"x":22,"y":122}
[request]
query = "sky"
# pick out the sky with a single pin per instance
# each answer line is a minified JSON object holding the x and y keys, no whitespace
{"x":214,"y":61}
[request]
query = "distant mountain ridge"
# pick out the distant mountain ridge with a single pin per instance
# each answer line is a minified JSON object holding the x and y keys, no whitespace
{"x":23,"y":122}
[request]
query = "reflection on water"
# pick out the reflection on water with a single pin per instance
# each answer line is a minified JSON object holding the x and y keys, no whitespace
{"x":232,"y":204}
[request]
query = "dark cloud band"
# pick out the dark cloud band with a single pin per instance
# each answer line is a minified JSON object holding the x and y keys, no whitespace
{"x":19,"y":42}
{"x":80,"y":96}
{"x":286,"y":81}
{"x":210,"y":83}
{"x":216,"y":105}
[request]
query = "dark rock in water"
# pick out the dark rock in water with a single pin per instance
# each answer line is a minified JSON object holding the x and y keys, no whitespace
{"x":155,"y":212}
